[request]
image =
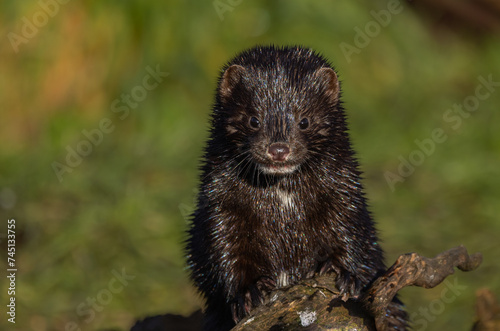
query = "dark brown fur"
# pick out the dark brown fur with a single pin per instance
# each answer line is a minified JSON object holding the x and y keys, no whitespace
{"x":280,"y":196}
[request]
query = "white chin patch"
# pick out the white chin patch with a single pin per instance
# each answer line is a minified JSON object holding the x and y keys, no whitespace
{"x":278,"y":170}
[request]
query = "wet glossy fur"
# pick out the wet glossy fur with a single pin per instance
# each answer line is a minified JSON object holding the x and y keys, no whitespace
{"x":261,"y":224}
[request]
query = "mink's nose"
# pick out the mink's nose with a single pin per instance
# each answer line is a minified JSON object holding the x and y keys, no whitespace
{"x":278,"y":151}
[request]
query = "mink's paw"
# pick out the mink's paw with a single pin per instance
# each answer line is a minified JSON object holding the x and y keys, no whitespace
{"x":240,"y":308}
{"x":254,"y":296}
{"x":265,"y":284}
{"x":348,"y":284}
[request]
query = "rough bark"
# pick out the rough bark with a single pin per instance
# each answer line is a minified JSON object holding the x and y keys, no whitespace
{"x":316,"y":304}
{"x":415,"y":270}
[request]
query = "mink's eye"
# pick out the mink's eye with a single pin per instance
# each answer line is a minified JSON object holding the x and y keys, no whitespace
{"x":304,"y":124}
{"x":254,"y":122}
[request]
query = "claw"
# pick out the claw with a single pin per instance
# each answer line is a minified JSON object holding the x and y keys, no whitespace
{"x":246,"y":300}
{"x":349,"y":285}
{"x":234,"y":312}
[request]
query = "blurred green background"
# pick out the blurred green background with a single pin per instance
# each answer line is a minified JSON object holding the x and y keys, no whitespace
{"x":124,"y":207}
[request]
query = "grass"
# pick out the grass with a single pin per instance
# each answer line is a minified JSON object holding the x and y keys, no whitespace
{"x":124,"y":206}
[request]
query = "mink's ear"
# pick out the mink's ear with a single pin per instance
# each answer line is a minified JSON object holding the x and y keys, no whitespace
{"x":230,"y":79}
{"x":327,"y":79}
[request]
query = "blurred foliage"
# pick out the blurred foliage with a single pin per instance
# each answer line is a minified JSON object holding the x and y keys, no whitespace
{"x":124,"y":207}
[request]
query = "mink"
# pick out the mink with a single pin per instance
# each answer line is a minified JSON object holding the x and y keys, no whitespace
{"x":280,"y":197}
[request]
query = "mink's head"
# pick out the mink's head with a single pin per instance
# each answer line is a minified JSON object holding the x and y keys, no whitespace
{"x":279,"y":109}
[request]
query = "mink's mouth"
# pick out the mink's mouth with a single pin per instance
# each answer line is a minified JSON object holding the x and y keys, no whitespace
{"x":278,"y":169}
